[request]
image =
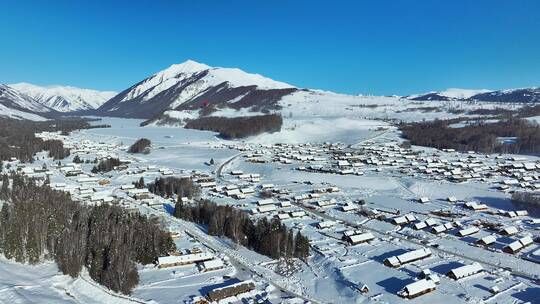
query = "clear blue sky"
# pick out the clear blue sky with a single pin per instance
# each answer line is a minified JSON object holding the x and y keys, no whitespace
{"x":370,"y":47}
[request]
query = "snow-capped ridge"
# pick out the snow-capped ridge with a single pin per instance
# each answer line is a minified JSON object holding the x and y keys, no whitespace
{"x":65,"y":98}
{"x":17,"y":105}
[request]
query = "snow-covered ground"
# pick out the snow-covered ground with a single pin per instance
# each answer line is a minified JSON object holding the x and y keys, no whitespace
{"x":43,"y":283}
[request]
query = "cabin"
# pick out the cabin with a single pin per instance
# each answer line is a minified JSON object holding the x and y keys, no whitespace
{"x":219,"y":294}
{"x":509,"y":230}
{"x":513,"y":247}
{"x":452,"y":199}
{"x":487,"y":240}
{"x":441,"y":228}
{"x":403,"y":220}
{"x":348,"y":207}
{"x":408,"y":257}
{"x":283,"y":216}
{"x":475,"y":206}
{"x":423,"y":200}
{"x":325,"y":203}
{"x":468,"y":231}
{"x":465,"y":271}
{"x":210,"y":265}
{"x":518,"y":245}
{"x":420,"y":225}
{"x":186,"y":259}
{"x":325,"y":224}
{"x":264,"y":202}
{"x":267,"y":208}
{"x":296,"y":214}
{"x":359,"y":238}
{"x":417,"y":289}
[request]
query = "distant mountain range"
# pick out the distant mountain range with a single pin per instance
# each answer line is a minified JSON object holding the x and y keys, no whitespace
{"x":192,"y":89}
{"x":15,"y":104}
{"x":525,"y":95}
{"x":65,"y":98}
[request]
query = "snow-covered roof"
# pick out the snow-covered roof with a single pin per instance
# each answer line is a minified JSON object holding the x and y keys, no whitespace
{"x":185,"y":259}
{"x":419,"y":287}
{"x":466,"y":270}
{"x":359,"y":238}
{"x":215,"y":263}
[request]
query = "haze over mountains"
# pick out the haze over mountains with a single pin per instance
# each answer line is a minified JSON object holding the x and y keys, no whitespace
{"x":192,"y":89}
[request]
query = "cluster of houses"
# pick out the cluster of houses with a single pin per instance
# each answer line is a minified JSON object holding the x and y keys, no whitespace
{"x":510,"y":172}
{"x":429,"y":281}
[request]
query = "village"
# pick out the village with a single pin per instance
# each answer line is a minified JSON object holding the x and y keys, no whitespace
{"x":426,"y":224}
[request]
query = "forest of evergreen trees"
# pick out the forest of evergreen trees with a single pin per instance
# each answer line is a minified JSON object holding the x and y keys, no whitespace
{"x":237,"y":127}
{"x":167,"y":186}
{"x":106,"y":165}
{"x":270,"y":238}
{"x":17,"y":137}
{"x":38,"y":223}
{"x":480,"y":136}
{"x":140,"y":146}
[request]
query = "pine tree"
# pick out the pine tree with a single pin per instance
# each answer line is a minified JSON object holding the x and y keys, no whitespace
{"x":301,"y":248}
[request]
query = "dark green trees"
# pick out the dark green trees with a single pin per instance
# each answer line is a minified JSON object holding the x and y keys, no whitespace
{"x":39,"y":223}
{"x":140,"y":146}
{"x":270,"y":238}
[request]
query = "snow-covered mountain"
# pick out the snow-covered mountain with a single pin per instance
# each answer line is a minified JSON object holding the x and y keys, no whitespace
{"x":526,"y":95}
{"x":15,"y":104}
{"x":65,"y":98}
{"x":194,"y":86}
{"x":449,"y":94}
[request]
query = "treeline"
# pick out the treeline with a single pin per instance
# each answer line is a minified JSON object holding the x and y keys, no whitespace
{"x":525,"y":111}
{"x":270,"y":238}
{"x":56,"y":149}
{"x":237,"y":127}
{"x":17,"y":137}
{"x":481,"y":136}
{"x":140,"y":146}
{"x":167,"y":186}
{"x":106,"y":165}
{"x":38,"y":223}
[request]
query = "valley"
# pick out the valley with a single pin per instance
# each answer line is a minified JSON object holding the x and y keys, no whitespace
{"x":368,"y":186}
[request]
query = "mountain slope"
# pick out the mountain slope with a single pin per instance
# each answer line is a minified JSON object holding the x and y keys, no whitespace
{"x":65,"y":98}
{"x":18,"y":105}
{"x":192,"y":85}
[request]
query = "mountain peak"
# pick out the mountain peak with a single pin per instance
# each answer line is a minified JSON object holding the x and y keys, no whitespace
{"x":187,"y":67}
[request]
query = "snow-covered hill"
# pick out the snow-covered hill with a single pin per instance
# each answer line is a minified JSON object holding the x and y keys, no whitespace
{"x":192,"y":85}
{"x":15,"y":104}
{"x":65,"y":98}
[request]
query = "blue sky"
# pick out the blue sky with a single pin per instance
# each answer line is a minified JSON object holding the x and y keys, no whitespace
{"x":369,"y":47}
